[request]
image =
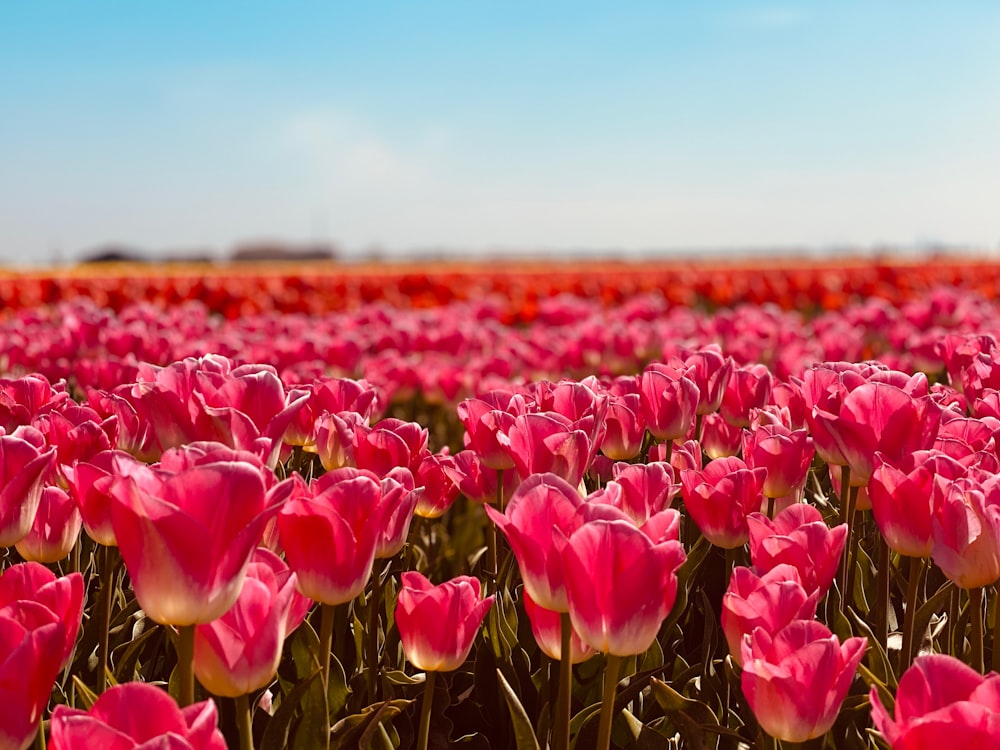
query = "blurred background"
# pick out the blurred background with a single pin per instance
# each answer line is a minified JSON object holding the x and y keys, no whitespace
{"x":456,"y":129}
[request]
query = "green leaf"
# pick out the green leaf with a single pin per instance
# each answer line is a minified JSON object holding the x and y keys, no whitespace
{"x":276,"y":734}
{"x":87,"y":696}
{"x":524,"y":735}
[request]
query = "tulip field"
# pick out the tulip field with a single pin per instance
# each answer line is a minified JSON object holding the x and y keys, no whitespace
{"x":491,"y":507}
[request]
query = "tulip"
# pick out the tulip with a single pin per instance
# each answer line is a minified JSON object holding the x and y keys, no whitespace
{"x":800,"y":537}
{"x":710,"y":371}
{"x":720,"y":497}
{"x":542,"y":504}
{"x":548,"y":443}
{"x":770,"y":601}
{"x":719,"y":439}
{"x":786,"y":454}
{"x":388,"y":444}
{"x":439,"y":492}
{"x":748,"y":388}
{"x":796,"y":679}
{"x":620,"y":585}
{"x":483,"y":422}
{"x":399,"y":498}
{"x":477,"y":482}
{"x":24,"y":467}
{"x":941,"y":702}
{"x":646,"y":489}
{"x":55,"y":529}
{"x":330,"y":535}
{"x":965,"y":530}
{"x":546,"y":626}
{"x":334,"y":438}
{"x":422,"y":608}
{"x":625,"y":427}
{"x":668,"y":402}
{"x":40,"y":617}
{"x":239,"y":652}
{"x":136,"y":715}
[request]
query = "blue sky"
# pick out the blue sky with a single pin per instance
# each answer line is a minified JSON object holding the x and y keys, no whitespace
{"x":484,"y":125}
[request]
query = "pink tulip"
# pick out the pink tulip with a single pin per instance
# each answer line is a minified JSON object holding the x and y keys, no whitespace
{"x":330,"y":535}
{"x":796,"y":679}
{"x":720,"y":497}
{"x":439,"y":492}
{"x":625,"y":427}
{"x":546,"y":626}
{"x":333,"y":438}
{"x":786,"y":454}
{"x":548,"y":443}
{"x":668,"y":402}
{"x":137,"y":715}
{"x":941,"y":702}
{"x":965,"y":528}
{"x":620,"y":585}
{"x":542,"y":504}
{"x":748,"y":388}
{"x":186,"y":530}
{"x":388,"y":444}
{"x":77,"y":433}
{"x":399,"y":498}
{"x":719,"y":439}
{"x":770,"y":601}
{"x":40,"y":616}
{"x":646,"y":489}
{"x":800,"y":537}
{"x":477,"y":482}
{"x":422,"y":608}
{"x":90,"y":487}
{"x":902,"y":497}
{"x":24,"y":467}
{"x":239,"y":652}
{"x":710,"y":371}
{"x":483,"y":422}
{"x":55,"y":529}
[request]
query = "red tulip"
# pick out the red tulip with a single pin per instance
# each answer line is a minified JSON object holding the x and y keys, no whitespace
{"x":620,"y":585}
{"x":137,"y":715}
{"x":439,"y":492}
{"x":548,"y":443}
{"x":239,"y":652}
{"x":399,"y":498}
{"x":186,"y":529}
{"x":720,"y":497}
{"x":388,"y":444}
{"x":625,"y":427}
{"x":330,"y":535}
{"x":800,"y":537}
{"x":770,"y":601}
{"x":422,"y":608}
{"x":542,"y":504}
{"x":796,"y":679}
{"x":710,"y":371}
{"x":941,"y":702}
{"x":90,"y":486}
{"x":646,"y":489}
{"x":748,"y":388}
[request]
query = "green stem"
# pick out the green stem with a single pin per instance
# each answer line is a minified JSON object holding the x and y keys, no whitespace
{"x":425,"y":712}
{"x":491,"y":557}
{"x":244,"y":722}
{"x":882,"y":595}
{"x":848,"y":558}
{"x":611,"y":667}
{"x":500,"y":497}
{"x":374,"y":604}
{"x":185,"y":665}
{"x":109,"y":565}
{"x":564,"y":694}
{"x":910,"y":612}
{"x":328,"y":613}
{"x":40,"y":737}
{"x":976,"y":617}
{"x":770,"y":508}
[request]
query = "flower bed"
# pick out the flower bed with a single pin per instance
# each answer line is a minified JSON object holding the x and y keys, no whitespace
{"x":588,"y":521}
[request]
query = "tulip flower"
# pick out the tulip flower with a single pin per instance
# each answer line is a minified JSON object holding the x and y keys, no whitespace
{"x":720,"y":497}
{"x":786,"y":454}
{"x":965,"y":530}
{"x":482,"y":422}
{"x":625,"y":427}
{"x":438,"y":491}
{"x":941,"y":702}
{"x":548,"y":443}
{"x":620,"y":585}
{"x":55,"y":529}
{"x":646,"y":489}
{"x":422,"y":608}
{"x":710,"y":371}
{"x":719,"y":439}
{"x":334,"y":438}
{"x":40,"y":616}
{"x":668,"y":401}
{"x":24,"y":467}
{"x":800,"y":537}
{"x":186,"y":530}
{"x":748,"y":388}
{"x":136,"y":715}
{"x":796,"y":679}
{"x":388,"y":444}
{"x":770,"y":601}
{"x":239,"y":652}
{"x":542,"y":504}
{"x":546,"y":626}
